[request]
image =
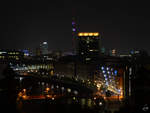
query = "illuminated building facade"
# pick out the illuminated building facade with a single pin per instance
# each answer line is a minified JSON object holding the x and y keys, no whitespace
{"x":113,"y":52}
{"x":88,"y":44}
{"x":44,"y":48}
{"x":38,"y":52}
{"x":11,"y":55}
{"x":34,"y":67}
{"x":26,"y":52}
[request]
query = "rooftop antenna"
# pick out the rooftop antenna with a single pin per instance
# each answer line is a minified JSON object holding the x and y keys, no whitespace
{"x":74,"y":34}
{"x":74,"y":31}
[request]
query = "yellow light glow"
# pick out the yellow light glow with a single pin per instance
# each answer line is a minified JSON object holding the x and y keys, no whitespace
{"x":96,"y":34}
{"x":74,"y":98}
{"x":88,"y":34}
{"x":91,"y":50}
{"x":20,"y":94}
{"x":47,"y":89}
{"x":24,"y":90}
{"x":24,"y":97}
{"x":53,"y":98}
{"x":48,"y":96}
{"x":80,"y":34}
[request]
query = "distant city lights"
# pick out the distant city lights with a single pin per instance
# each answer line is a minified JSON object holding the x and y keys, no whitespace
{"x":102,"y":68}
{"x":115,"y":72}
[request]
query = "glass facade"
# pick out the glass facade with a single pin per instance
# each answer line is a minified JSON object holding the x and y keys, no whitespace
{"x":44,"y":48}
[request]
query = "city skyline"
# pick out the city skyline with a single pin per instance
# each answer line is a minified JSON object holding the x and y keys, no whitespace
{"x":25,"y":25}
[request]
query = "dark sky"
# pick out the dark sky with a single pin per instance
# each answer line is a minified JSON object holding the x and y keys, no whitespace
{"x":24,"y":24}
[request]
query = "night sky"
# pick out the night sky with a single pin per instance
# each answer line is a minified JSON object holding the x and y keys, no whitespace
{"x":24,"y":24}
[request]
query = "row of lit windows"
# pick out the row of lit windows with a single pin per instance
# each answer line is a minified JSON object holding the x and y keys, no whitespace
{"x":91,"y":39}
{"x":35,"y":67}
{"x":13,"y":57}
{"x":13,"y":53}
{"x":93,"y":50}
{"x":10,"y":57}
{"x":41,"y":66}
{"x":2,"y":57}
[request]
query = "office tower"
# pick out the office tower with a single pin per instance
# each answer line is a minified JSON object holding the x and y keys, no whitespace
{"x":44,"y":48}
{"x":88,"y":44}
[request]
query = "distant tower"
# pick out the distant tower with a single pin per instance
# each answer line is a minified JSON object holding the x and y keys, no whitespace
{"x":44,"y":48}
{"x":38,"y":51}
{"x":103,"y":50}
{"x":113,"y":52}
{"x":74,"y":34}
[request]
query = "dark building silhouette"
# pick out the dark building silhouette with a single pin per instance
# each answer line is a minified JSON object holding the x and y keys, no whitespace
{"x":88,"y":45}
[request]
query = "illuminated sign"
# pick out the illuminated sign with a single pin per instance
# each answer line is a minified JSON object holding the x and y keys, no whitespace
{"x":88,"y":34}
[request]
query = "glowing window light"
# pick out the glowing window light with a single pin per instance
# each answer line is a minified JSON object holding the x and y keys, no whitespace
{"x":115,"y":72}
{"x":104,"y":71}
{"x":69,"y":90}
{"x":107,"y":83}
{"x":73,"y":23}
{"x":47,"y":89}
{"x":53,"y":98}
{"x":73,"y":29}
{"x":74,"y":98}
{"x":100,"y":103}
{"x":80,"y":34}
{"x":105,"y":75}
{"x":85,"y":34}
{"x":107,"y":68}
{"x":96,"y":34}
{"x":52,"y":86}
{"x":90,"y":34}
{"x":91,"y":50}
{"x":75,"y":92}
{"x":44,"y":42}
{"x":62,"y":88}
{"x":57,"y":86}
{"x":108,"y":72}
{"x":2,"y":52}
{"x":24,"y":90}
{"x":102,"y":68}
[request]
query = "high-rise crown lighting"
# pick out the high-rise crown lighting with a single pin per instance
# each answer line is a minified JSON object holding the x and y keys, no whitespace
{"x":88,"y":34}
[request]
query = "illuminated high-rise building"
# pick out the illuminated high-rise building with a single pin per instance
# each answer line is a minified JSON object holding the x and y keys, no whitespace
{"x":44,"y":48}
{"x":88,"y":44}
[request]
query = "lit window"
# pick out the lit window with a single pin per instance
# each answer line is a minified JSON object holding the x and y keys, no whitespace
{"x":91,"y":50}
